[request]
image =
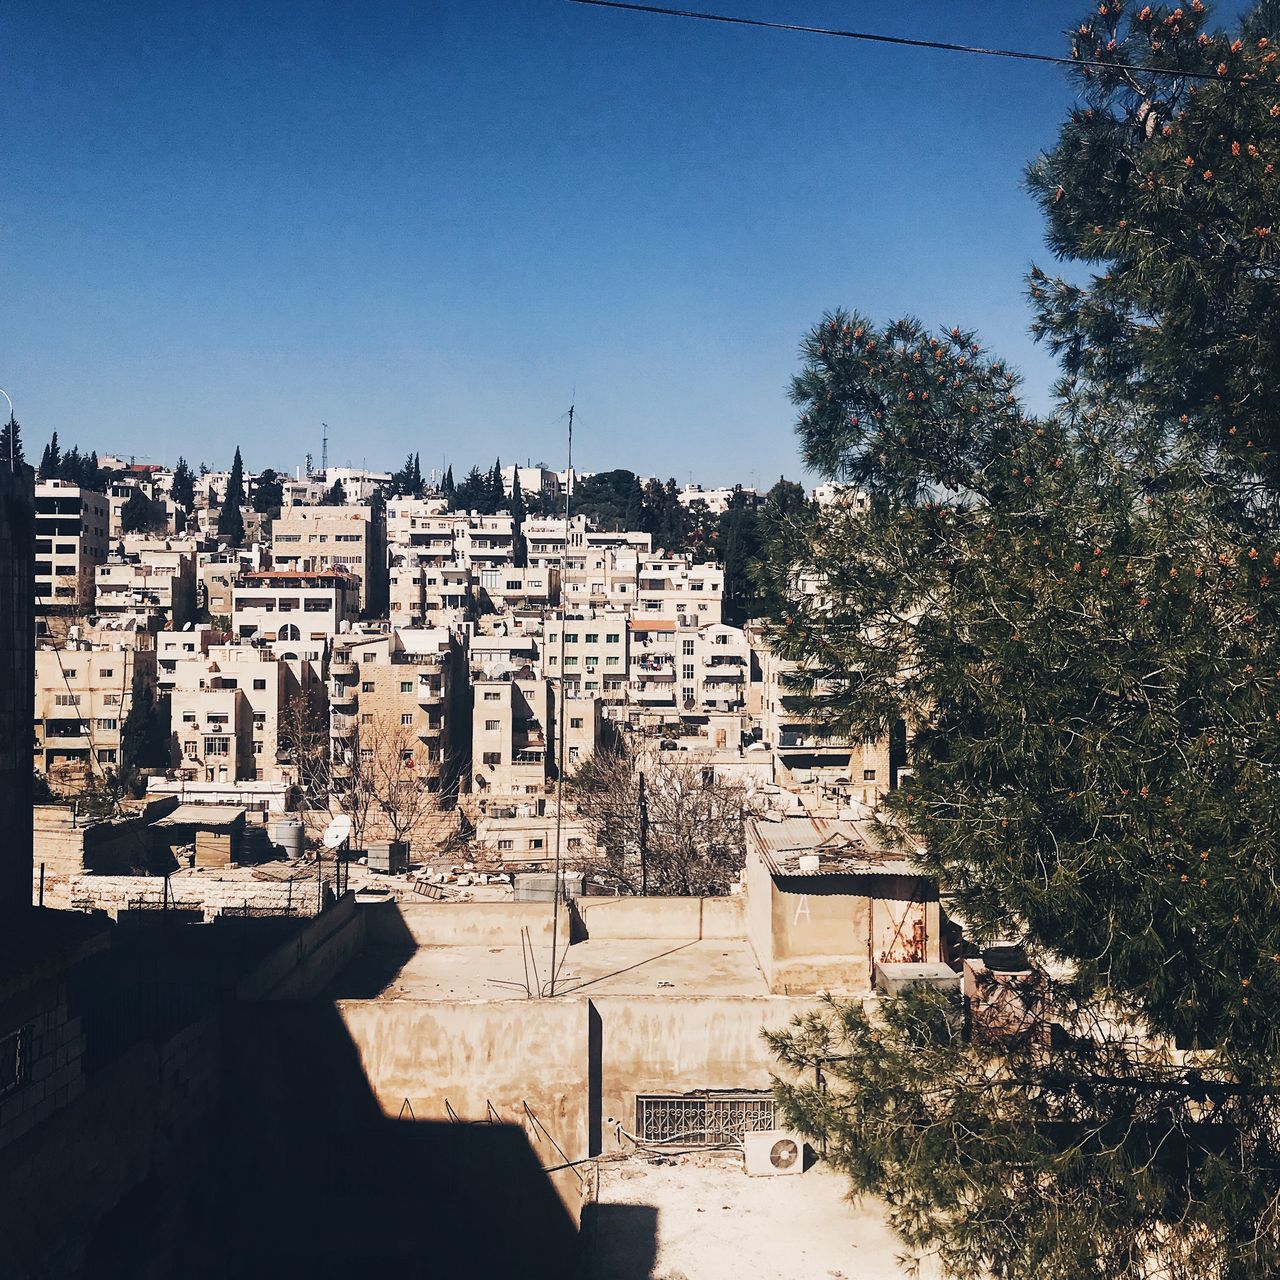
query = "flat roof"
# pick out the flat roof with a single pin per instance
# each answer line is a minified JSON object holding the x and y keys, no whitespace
{"x":604,"y":967}
{"x":652,"y":624}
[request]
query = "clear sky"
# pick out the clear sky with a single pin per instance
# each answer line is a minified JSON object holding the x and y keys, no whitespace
{"x":428,"y":222}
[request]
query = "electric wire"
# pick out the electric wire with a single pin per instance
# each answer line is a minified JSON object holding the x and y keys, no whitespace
{"x":942,"y":46}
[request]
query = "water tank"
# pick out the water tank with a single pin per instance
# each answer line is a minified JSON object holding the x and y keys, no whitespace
{"x":288,"y":835}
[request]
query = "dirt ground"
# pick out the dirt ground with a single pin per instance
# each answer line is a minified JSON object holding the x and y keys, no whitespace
{"x":701,"y":1218}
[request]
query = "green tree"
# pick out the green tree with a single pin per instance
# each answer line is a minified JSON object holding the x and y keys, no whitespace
{"x":11,"y":454}
{"x":519,"y":548}
{"x":183,"y":490}
{"x":473,"y":493}
{"x":231,"y":517}
{"x":144,"y":736}
{"x":1075,"y":617}
{"x":140,"y":514}
{"x":268,"y":492}
{"x":51,"y":460}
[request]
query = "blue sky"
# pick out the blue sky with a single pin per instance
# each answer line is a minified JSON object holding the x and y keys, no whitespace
{"x":427,"y":223}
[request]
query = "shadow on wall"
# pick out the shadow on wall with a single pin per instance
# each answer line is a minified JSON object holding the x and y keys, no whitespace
{"x":619,"y":1242}
{"x":293,"y":1172}
{"x":303,"y":1176}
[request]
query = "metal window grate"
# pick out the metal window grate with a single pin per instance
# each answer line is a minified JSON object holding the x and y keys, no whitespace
{"x":702,"y":1119}
{"x":14,"y":1049}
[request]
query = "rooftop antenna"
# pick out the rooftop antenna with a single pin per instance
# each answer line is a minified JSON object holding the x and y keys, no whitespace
{"x":324,"y":448}
{"x":564,"y":566}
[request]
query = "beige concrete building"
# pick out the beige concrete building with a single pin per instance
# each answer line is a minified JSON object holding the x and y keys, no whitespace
{"x":71,"y":542}
{"x":596,"y":656}
{"x":427,"y":589}
{"x":827,"y":904}
{"x":82,"y":698}
{"x":244,"y":694}
{"x":675,"y":587}
{"x":296,"y":612}
{"x":804,"y":752}
{"x":348,"y":539}
{"x":502,"y":589}
{"x":150,"y":587}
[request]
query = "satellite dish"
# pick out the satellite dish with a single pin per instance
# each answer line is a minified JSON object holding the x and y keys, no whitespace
{"x":337,"y":831}
{"x":189,"y":626}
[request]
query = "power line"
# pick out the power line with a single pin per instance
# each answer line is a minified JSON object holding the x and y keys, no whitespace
{"x":872,"y":37}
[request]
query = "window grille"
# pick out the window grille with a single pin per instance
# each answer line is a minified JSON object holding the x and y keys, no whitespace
{"x":703,"y":1119}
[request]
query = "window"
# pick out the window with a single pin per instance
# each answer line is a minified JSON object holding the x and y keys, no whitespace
{"x":219,"y":746}
{"x":367,"y":718}
{"x":614,"y":637}
{"x":366,"y":686}
{"x":612,"y":660}
{"x":106,"y":724}
{"x":111,"y":699}
{"x":407,"y":718}
{"x":491,"y":726}
{"x":66,"y":700}
{"x":492,"y":696}
{"x":107,"y":673}
{"x":14,"y":1053}
{"x":492,"y":758}
{"x":575,"y":842}
{"x":868,"y":775}
{"x":315,"y":606}
{"x":573,"y":753}
{"x":687,"y":648}
{"x":259,"y":719}
{"x":571,"y":637}
{"x":188,"y":717}
{"x":257,"y":748}
{"x":259,"y":684}
{"x":107,"y":755}
{"x":535,"y":842}
{"x":366,"y":753}
{"x":571,"y":660}
{"x":686,"y":671}
{"x":506,"y":845}
{"x":406,"y":686}
{"x":575,"y":722}
{"x":593,"y":637}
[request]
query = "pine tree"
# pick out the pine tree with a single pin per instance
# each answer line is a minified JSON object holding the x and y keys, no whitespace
{"x":11,"y":454}
{"x":139,"y":514}
{"x":51,"y":460}
{"x":519,"y":548}
{"x":144,"y":736}
{"x":633,"y":517}
{"x":230,"y":517}
{"x":183,"y":489}
{"x":1074,"y":615}
{"x":268,"y":492}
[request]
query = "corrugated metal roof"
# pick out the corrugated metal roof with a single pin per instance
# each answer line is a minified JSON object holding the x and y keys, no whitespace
{"x":843,"y":847}
{"x":202,"y":815}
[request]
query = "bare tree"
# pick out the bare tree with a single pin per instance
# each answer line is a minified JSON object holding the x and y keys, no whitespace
{"x":395,"y":787}
{"x":662,"y":825}
{"x":302,"y":732}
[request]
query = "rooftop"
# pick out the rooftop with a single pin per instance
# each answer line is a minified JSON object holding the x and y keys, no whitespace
{"x":843,"y":846}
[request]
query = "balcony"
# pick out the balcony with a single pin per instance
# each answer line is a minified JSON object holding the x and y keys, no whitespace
{"x":343,"y":669}
{"x":343,"y":727}
{"x":341,"y":697}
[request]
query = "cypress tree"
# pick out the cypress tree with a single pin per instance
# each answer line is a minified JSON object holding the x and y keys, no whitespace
{"x":230,"y":517}
{"x":11,"y":454}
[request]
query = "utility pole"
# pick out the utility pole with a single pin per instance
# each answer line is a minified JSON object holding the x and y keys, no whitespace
{"x":324,"y":448}
{"x":564,"y":566}
{"x":644,"y":841}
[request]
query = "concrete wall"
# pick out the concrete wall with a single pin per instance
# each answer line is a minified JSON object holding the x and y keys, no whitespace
{"x":470,"y":1056}
{"x":473,"y":924}
{"x":662,"y":919}
{"x":304,"y":966}
{"x":677,"y":1045}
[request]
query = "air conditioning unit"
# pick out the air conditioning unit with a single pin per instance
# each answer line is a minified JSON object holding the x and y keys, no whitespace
{"x":772,"y":1152}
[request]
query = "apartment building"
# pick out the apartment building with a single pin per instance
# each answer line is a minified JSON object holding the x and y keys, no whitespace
{"x":717,"y":501}
{"x":295,"y":612}
{"x":545,"y":539}
{"x":122,"y":488}
{"x":512,"y":736}
{"x":486,"y":542}
{"x":409,"y":519}
{"x":428,"y":589}
{"x":256,"y":723}
{"x":499,"y":590}
{"x":216,"y":574}
{"x":350,"y":539}
{"x":606,"y":576}
{"x":71,"y":542}
{"x":82,"y":697}
{"x":803,"y":751}
{"x":535,"y":483}
{"x":149,"y":588}
{"x":651,"y":681}
{"x":186,"y":645}
{"x":596,"y":657}
{"x":394,"y":707}
{"x":675,"y":587}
